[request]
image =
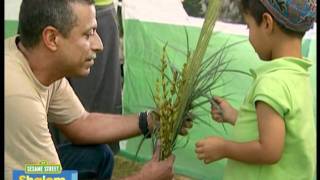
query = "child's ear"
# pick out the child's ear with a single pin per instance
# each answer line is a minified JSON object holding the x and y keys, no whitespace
{"x":268,"y":22}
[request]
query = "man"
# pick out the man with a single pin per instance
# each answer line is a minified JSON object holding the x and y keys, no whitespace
{"x":58,"y":39}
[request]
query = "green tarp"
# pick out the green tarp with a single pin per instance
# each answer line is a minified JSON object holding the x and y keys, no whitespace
{"x":148,"y":24}
{"x":143,"y":46}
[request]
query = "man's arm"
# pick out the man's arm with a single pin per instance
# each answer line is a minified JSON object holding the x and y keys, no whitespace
{"x":101,"y":128}
{"x":98,"y":128}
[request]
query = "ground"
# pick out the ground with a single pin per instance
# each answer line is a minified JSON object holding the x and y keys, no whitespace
{"x":124,"y":167}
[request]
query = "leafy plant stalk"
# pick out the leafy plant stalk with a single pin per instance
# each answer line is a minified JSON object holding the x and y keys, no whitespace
{"x":172,"y":110}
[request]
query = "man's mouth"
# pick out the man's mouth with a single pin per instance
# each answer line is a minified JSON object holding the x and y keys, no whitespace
{"x":92,"y":57}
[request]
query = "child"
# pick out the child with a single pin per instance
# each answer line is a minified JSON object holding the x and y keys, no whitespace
{"x":274,"y":131}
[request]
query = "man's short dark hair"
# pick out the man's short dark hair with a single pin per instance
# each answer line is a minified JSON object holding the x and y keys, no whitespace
{"x":35,"y":15}
{"x":256,"y":9}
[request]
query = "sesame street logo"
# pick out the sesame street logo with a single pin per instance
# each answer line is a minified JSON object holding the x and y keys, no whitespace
{"x":44,"y":171}
{"x":43,"y":168}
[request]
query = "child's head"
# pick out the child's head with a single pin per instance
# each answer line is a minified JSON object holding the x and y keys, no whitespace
{"x":293,"y":17}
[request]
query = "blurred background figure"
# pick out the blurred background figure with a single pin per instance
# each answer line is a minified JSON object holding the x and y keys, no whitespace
{"x":229,"y":12}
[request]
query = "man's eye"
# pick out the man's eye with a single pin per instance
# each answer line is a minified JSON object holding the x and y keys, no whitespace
{"x":90,"y":33}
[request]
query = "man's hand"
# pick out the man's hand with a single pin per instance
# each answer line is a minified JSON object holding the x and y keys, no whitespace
{"x":210,"y":149}
{"x":187,"y":124}
{"x":154,"y":118}
{"x":158,"y":170}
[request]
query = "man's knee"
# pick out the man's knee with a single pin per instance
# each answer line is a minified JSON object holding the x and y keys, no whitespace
{"x":90,"y":160}
{"x":107,"y":163}
{"x":105,"y":151}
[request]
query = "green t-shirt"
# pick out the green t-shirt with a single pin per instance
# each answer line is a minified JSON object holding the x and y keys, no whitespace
{"x":284,"y":84}
{"x":103,"y":2}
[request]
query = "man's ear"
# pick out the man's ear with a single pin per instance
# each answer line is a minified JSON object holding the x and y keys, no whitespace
{"x":50,"y":36}
{"x":268,"y":22}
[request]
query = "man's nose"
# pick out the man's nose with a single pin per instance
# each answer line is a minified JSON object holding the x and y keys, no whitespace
{"x":97,"y":45}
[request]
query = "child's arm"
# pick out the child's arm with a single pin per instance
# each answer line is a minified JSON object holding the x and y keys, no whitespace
{"x":222,"y":111}
{"x":266,"y":150}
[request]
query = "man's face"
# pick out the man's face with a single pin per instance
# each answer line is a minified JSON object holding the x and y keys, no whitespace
{"x":78,"y":50}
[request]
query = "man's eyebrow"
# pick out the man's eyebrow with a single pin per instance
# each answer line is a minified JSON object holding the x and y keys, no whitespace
{"x":93,"y":27}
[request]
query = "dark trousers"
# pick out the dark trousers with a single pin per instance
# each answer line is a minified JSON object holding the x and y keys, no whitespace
{"x":91,"y":161}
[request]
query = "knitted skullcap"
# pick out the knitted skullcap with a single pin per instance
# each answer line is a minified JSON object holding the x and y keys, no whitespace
{"x":296,"y":15}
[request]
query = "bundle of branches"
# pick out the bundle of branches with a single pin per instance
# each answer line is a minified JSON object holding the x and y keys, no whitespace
{"x":189,"y":88}
{"x":186,"y":86}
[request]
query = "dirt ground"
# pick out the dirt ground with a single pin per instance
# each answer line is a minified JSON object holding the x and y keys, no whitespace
{"x":124,"y":167}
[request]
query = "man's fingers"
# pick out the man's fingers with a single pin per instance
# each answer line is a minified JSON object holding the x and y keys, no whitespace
{"x":156,"y":153}
{"x":155,"y":115}
{"x":171,"y":158}
{"x":189,"y":116}
{"x":183,"y":131}
{"x":187,"y":124}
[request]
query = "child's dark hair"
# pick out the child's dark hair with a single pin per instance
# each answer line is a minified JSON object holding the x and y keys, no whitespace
{"x":256,"y":9}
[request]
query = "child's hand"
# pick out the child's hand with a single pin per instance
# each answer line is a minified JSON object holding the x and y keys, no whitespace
{"x":222,"y":111}
{"x":210,"y":149}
